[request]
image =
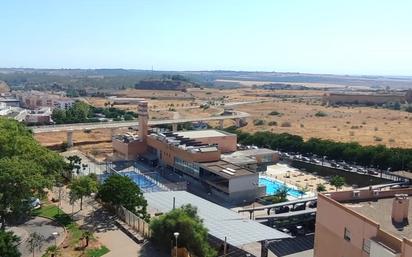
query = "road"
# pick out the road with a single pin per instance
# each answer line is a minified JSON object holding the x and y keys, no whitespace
{"x":122,"y":124}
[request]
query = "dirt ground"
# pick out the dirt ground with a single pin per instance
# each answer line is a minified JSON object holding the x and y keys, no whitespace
{"x":366,"y":125}
{"x":297,"y":115}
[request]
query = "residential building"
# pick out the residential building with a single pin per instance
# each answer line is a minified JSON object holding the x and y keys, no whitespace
{"x":36,"y":99}
{"x":39,"y":116}
{"x":364,"y":223}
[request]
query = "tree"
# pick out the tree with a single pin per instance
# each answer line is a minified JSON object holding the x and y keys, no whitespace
{"x":81,"y":187}
{"x":35,"y":242}
{"x":193,"y":234}
{"x":8,"y":244}
{"x":320,"y":188}
{"x":280,"y":196}
{"x":19,"y":181}
{"x":53,"y":251}
{"x":74,"y":163}
{"x":337,"y":182}
{"x":26,"y":168}
{"x":121,"y":190}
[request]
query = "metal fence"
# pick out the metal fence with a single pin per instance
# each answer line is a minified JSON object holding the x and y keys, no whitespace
{"x":136,"y":223}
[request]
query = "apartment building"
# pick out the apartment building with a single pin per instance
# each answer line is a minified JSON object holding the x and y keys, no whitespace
{"x":36,"y":99}
{"x":364,"y":223}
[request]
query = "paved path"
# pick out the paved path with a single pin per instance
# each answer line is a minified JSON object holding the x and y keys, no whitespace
{"x":42,"y":226}
{"x":95,"y":218}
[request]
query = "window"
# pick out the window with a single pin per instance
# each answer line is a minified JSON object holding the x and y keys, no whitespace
{"x":346,"y":235}
{"x":366,"y":246}
{"x":186,"y":166}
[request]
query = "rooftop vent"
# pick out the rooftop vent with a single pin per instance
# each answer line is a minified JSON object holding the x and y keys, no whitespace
{"x":400,"y":207}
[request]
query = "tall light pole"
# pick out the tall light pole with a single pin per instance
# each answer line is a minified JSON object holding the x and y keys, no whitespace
{"x":176,"y":234}
{"x":55,"y":235}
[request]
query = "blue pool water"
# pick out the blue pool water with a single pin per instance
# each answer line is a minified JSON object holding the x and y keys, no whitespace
{"x":272,"y":186}
{"x":143,"y":182}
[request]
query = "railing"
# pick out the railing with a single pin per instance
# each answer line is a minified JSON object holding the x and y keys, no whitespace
{"x":135,"y":222}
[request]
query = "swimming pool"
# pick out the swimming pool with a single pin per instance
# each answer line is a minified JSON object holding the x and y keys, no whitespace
{"x":273,"y":186}
{"x":144,"y":183}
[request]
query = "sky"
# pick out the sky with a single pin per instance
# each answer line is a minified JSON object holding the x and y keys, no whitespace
{"x":371,"y":37}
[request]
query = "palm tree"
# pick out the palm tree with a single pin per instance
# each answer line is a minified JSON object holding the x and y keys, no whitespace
{"x":53,"y":251}
{"x":87,"y":235}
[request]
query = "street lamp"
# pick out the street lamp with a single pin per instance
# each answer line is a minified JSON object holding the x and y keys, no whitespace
{"x":55,"y":234}
{"x":176,"y":234}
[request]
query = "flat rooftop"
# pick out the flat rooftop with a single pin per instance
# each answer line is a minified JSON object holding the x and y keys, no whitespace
{"x":226,"y":169}
{"x":253,"y":152}
{"x":202,"y":133}
{"x":380,"y":211}
{"x":221,"y":222}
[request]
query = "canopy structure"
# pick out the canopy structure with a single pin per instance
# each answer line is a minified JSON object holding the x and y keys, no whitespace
{"x":221,"y":222}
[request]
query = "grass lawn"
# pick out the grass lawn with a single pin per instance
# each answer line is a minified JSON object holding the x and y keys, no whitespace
{"x":48,"y":211}
{"x":97,"y":252}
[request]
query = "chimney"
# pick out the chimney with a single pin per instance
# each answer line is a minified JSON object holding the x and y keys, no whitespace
{"x":143,"y":120}
{"x":400,"y":207}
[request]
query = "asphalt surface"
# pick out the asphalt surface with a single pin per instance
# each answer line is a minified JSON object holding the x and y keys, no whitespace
{"x":42,"y":226}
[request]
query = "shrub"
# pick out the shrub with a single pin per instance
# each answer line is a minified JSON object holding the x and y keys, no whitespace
{"x":377,"y":139}
{"x":320,"y":188}
{"x":272,"y":123}
{"x":321,"y":114}
{"x":258,"y":122}
{"x":274,"y":113}
{"x":286,"y":124}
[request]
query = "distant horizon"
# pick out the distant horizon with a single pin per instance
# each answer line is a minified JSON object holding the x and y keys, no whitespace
{"x":218,"y":70}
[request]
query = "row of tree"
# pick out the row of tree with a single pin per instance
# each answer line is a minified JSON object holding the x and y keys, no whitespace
{"x":81,"y":112}
{"x":378,"y":156}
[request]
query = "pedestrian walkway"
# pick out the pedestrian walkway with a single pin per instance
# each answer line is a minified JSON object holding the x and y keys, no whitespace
{"x":95,"y":218}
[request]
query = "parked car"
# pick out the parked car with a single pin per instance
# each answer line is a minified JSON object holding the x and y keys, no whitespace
{"x":299,"y":207}
{"x":282,"y":209}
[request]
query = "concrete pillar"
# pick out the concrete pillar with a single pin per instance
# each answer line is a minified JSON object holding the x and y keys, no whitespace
{"x":237,"y":122}
{"x":70,"y":138}
{"x":221,"y":124}
{"x":174,"y":127}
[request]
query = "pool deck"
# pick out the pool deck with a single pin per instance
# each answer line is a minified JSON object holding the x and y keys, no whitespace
{"x":298,"y":179}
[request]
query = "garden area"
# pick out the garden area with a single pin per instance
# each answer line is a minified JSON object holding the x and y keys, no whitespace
{"x":78,"y":241}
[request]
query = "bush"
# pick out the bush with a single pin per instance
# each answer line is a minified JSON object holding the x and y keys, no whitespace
{"x":286,"y":124}
{"x":274,"y":113}
{"x":321,"y":114}
{"x":272,"y":123}
{"x":258,"y":122}
{"x":320,"y":188}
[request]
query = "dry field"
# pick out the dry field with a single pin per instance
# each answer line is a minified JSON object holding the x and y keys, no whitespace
{"x":366,"y":125}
